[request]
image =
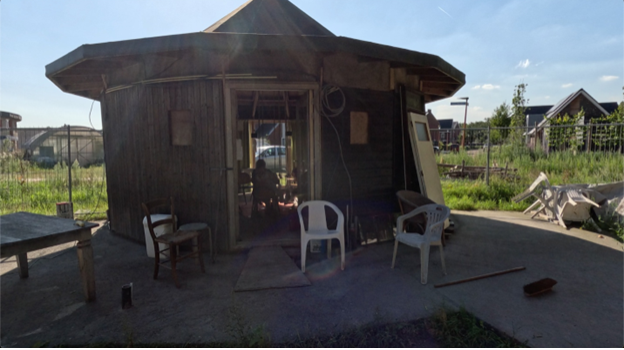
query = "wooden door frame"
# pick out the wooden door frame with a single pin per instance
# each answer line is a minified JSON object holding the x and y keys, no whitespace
{"x":314,"y":139}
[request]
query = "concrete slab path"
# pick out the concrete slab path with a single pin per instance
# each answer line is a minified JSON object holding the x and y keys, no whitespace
{"x":584,"y":310}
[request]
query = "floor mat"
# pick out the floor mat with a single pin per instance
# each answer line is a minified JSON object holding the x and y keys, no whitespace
{"x":267,"y":268}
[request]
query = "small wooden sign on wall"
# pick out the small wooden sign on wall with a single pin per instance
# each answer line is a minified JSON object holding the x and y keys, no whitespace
{"x":359,"y":128}
{"x":182,"y":127}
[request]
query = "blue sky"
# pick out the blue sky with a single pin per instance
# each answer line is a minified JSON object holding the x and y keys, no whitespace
{"x":554,"y":46}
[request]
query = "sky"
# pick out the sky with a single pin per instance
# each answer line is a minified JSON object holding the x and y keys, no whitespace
{"x":554,"y":46}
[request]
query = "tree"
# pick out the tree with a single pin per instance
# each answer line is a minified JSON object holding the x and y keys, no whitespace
{"x":477,"y":132}
{"x":500,"y":118}
{"x":518,"y":119}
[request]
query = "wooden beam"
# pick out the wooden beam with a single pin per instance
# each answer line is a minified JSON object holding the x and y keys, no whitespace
{"x":106,"y":64}
{"x":265,"y":102}
{"x":255,"y":104}
{"x":285,"y":94}
{"x":96,"y":85}
{"x":436,"y":91}
{"x":439,"y":84}
{"x":79,"y":71}
{"x":519,"y":268}
{"x":438,"y":78}
{"x":424,"y":71}
{"x":78,"y":79}
{"x":104,"y":81}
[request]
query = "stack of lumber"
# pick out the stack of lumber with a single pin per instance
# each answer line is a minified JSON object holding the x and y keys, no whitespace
{"x":474,"y":172}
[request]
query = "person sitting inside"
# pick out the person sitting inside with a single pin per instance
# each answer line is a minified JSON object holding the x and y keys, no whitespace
{"x":265,"y":184}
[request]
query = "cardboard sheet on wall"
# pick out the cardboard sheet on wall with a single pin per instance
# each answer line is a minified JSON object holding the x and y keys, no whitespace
{"x":359,"y":128}
{"x":181,"y":126}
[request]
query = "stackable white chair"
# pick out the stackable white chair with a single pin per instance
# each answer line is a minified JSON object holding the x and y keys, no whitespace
{"x":436,"y":215}
{"x":317,"y":228}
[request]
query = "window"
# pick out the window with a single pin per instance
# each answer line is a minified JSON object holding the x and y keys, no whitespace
{"x":421,"y":131}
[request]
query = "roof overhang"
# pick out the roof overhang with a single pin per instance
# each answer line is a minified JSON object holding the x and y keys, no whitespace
{"x":11,"y":116}
{"x":90,"y":70}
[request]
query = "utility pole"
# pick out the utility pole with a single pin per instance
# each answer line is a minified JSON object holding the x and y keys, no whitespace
{"x":464,"y":103}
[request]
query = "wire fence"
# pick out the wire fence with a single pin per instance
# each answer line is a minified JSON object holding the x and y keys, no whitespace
{"x":489,"y":145}
{"x":40,"y":167}
{"x":548,"y":138}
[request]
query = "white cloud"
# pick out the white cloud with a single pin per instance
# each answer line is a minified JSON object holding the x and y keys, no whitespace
{"x":608,"y":77}
{"x":476,"y":108}
{"x":490,"y":87}
{"x":566,"y":85}
{"x":523,"y":64}
{"x":443,"y":111}
{"x":476,"y":87}
{"x":547,"y":97}
{"x":446,"y":13}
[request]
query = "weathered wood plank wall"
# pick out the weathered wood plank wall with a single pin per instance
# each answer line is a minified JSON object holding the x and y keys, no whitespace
{"x":141,"y":163}
{"x":370,"y":165}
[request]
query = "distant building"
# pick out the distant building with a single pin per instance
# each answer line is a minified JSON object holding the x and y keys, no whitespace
{"x":537,"y":117}
{"x":49,"y":146}
{"x":571,"y":105}
{"x":433,"y":126}
{"x":449,"y":131}
{"x":8,"y":123}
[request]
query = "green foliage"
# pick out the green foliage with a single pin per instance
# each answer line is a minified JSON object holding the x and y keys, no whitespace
{"x":461,"y":329}
{"x":518,"y":106}
{"x":501,"y":118}
{"x":606,"y":135}
{"x":26,"y":187}
{"x":242,"y":332}
{"x":478,"y":136}
{"x":563,"y":135}
{"x":560,"y":167}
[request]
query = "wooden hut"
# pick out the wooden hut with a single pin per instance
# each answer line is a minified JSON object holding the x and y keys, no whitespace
{"x":181,"y":114}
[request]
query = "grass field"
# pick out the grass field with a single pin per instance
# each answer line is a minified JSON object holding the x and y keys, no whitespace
{"x":27,"y":187}
{"x":562,"y":168}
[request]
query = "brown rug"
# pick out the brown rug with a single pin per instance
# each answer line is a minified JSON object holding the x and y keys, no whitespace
{"x":267,"y":268}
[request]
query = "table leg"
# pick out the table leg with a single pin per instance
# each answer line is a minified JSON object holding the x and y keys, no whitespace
{"x":85,"y":262}
{"x":22,"y":265}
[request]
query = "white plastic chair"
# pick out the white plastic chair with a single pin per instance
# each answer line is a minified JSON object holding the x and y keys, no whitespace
{"x":436,"y":215}
{"x":317,"y":228}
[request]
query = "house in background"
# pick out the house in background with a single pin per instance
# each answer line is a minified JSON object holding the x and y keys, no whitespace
{"x":538,"y":117}
{"x":449,"y":131}
{"x":8,"y":123}
{"x":434,"y":125}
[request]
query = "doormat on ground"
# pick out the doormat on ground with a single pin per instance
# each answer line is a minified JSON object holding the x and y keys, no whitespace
{"x":267,"y":268}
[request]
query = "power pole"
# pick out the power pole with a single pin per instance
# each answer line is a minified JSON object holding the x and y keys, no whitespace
{"x":464,"y":103}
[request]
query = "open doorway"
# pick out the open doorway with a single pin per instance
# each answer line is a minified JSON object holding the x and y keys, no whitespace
{"x":272,"y":127}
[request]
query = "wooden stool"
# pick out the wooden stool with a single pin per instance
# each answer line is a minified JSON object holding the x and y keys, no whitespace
{"x":199,"y":226}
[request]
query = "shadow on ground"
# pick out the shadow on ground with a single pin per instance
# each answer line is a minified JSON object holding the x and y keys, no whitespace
{"x":585,"y":308}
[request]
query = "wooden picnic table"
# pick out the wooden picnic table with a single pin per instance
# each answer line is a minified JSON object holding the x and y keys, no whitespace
{"x":23,"y":232}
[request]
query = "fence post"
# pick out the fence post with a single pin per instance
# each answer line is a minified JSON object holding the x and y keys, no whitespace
{"x":69,"y":164}
{"x":487,"y":164}
{"x":534,"y":136}
{"x":589,"y":132}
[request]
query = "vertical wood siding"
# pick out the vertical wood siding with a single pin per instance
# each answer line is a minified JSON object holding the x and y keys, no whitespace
{"x":141,"y":163}
{"x":371,"y":165}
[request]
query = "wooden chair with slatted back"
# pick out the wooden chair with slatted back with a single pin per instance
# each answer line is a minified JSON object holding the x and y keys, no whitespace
{"x":172,"y":240}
